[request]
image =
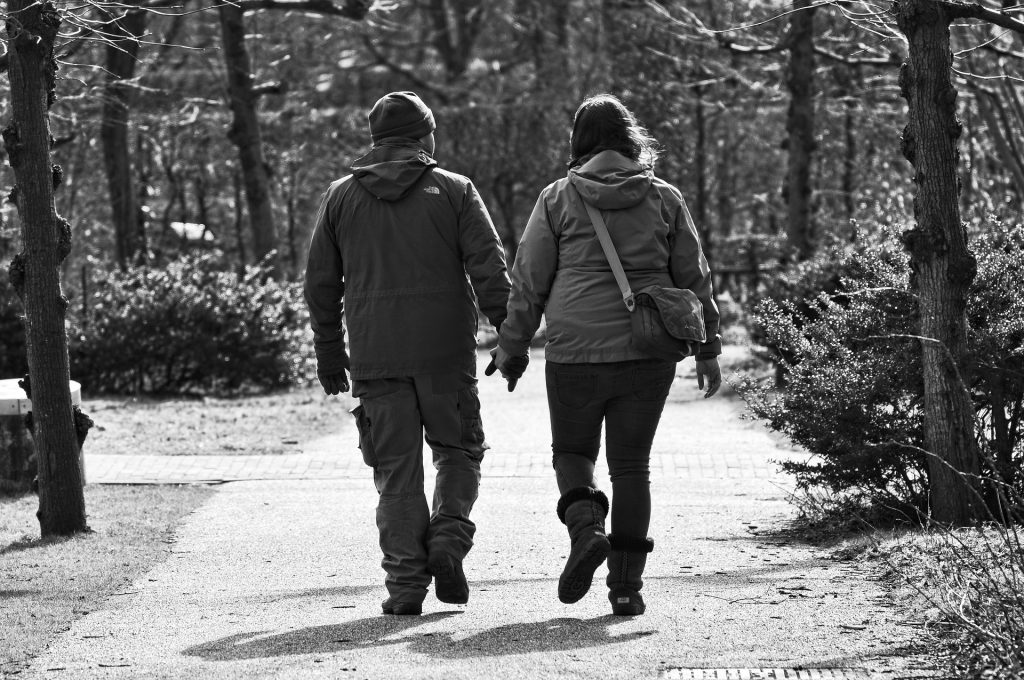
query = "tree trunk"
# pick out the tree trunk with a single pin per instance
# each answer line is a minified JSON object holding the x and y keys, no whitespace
{"x":942,"y":267}
{"x":848,"y":78}
{"x":36,"y":271}
{"x":800,"y":130}
{"x":245,"y":132}
{"x":122,"y":56}
{"x":700,"y":153}
{"x":454,"y":36}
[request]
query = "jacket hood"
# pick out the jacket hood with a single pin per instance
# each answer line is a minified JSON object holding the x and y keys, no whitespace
{"x":392,"y":168}
{"x":610,"y":181}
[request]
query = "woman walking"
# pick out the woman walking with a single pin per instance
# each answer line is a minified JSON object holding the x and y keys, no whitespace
{"x":595,"y":376}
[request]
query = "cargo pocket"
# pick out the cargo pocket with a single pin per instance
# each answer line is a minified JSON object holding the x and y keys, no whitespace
{"x":365,"y":436}
{"x":472,"y":425}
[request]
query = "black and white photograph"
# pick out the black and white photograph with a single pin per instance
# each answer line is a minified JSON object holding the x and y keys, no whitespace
{"x":512,"y":339}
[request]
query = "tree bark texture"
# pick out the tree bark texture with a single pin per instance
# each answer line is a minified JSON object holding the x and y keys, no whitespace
{"x":800,"y":130}
{"x":454,"y":36}
{"x":245,"y":131}
{"x":121,"y":58}
{"x":35,"y":273}
{"x":700,"y":160}
{"x":942,"y":267}
{"x":546,"y":37}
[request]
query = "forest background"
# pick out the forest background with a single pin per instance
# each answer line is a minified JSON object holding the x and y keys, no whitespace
{"x":736,"y":93}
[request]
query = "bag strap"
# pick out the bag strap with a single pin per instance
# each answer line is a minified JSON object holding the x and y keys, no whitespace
{"x":609,"y":252}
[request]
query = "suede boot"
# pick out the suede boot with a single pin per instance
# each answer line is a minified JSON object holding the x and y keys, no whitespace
{"x":626,"y":563}
{"x":582,"y":510}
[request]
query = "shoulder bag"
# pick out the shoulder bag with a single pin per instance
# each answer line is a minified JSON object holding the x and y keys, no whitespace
{"x":668,"y":323}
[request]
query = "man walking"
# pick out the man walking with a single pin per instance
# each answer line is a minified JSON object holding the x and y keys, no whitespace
{"x":399,"y":249}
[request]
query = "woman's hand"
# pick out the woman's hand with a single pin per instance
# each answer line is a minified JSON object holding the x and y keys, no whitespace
{"x":709,"y":368}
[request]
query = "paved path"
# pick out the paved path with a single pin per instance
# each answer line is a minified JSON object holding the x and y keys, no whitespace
{"x":279,"y":577}
{"x":725,"y":447}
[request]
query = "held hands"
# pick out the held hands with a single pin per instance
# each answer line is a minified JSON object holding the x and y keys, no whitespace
{"x":708,"y":368}
{"x":336,"y":383}
{"x":511,"y":368}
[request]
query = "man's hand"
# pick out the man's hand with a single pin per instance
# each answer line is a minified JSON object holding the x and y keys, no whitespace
{"x":710,"y":369}
{"x":511,"y":368}
{"x":334,"y":384}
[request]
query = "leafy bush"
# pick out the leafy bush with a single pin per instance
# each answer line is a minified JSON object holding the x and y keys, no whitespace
{"x":190,"y":328}
{"x":853,"y":386}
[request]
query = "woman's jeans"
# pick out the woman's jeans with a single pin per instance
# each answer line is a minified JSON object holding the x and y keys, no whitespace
{"x":628,"y":398}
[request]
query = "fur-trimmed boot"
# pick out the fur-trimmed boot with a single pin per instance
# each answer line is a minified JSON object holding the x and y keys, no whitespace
{"x":582,"y":510}
{"x":626,"y":563}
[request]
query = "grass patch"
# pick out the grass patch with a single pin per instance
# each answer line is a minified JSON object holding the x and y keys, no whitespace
{"x":968,"y":587}
{"x":266,"y":425}
{"x":46,"y":585}
{"x":962,"y":588}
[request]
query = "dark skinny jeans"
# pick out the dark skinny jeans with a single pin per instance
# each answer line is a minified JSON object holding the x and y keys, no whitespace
{"x":627,"y":397}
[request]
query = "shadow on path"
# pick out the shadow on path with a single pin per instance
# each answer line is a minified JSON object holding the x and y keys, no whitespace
{"x":519,"y":638}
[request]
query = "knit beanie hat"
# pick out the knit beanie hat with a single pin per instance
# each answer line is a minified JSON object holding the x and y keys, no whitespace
{"x":400,"y":114}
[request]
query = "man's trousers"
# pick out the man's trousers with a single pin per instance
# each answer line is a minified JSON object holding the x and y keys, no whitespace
{"x":393,"y":416}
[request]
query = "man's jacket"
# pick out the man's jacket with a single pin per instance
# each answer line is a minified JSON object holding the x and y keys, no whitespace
{"x":562,"y":272}
{"x":398,"y":250}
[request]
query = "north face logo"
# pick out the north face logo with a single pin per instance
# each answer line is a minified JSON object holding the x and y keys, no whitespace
{"x":432,"y":190}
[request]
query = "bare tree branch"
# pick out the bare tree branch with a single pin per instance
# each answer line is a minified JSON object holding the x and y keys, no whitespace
{"x":1003,"y":52}
{"x":727,"y":44}
{"x":893,"y":59}
{"x":975,"y":10}
{"x":273,"y":87}
{"x":350,"y":9}
{"x":421,"y":84}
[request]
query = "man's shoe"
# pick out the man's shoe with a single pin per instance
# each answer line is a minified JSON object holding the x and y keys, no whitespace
{"x":399,"y":608}
{"x":449,"y":580}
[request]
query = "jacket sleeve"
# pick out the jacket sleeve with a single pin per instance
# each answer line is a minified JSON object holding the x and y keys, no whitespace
{"x":532,"y":276}
{"x":483,"y":257}
{"x":324,"y":290}
{"x":690,"y":269}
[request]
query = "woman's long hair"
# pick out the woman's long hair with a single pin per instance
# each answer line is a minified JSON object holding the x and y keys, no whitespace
{"x":603,"y":123}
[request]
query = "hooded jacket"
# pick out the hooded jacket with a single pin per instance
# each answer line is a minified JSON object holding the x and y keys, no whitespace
{"x":401,"y":251}
{"x":562,"y":273}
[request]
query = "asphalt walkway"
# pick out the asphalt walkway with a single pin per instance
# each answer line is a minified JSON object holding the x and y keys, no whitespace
{"x":278,"y":575}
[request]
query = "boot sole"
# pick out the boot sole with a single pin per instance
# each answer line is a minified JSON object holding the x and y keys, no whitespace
{"x":575,"y":582}
{"x":449,"y":586}
{"x":392,"y":608}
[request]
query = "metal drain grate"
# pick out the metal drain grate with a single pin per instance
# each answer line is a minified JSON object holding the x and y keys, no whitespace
{"x":765,"y":674}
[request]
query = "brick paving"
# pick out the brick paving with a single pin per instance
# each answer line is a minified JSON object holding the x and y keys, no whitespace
{"x":697,"y":438}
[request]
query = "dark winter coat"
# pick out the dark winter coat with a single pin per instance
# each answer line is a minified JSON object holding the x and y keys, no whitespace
{"x":398,"y":250}
{"x":561,"y":271}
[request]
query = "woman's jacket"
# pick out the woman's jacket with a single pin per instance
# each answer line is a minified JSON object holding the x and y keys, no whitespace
{"x":561,"y":271}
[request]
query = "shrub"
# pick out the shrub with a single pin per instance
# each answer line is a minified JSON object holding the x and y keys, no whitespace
{"x":852,"y":387}
{"x":190,"y":328}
